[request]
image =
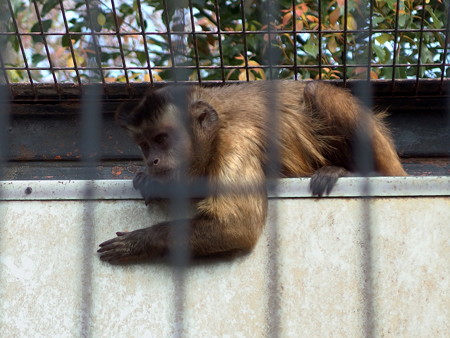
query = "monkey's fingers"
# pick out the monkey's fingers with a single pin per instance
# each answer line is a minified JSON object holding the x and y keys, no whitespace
{"x":110,"y":244}
{"x":320,"y":185}
{"x":117,"y":257}
{"x":110,"y":241}
{"x":119,"y":249}
{"x":139,"y":179}
{"x":324,"y":179}
{"x":113,"y":250}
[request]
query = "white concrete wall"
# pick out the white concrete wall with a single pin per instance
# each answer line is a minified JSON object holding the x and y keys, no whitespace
{"x":321,"y":264}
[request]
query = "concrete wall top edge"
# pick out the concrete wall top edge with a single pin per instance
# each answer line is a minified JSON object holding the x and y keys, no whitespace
{"x":282,"y":188}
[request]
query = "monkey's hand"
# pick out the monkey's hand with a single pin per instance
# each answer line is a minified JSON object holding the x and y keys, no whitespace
{"x":137,"y":244}
{"x":324,"y":179}
{"x":141,"y":182}
{"x":125,"y":247}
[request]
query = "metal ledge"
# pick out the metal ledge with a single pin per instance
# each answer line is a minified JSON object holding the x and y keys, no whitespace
{"x":286,"y":188}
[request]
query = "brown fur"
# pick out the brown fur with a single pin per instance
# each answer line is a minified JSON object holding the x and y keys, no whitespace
{"x":227,"y":139}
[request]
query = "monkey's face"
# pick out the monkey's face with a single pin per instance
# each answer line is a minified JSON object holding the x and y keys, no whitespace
{"x":166,"y":148}
{"x":176,"y":139}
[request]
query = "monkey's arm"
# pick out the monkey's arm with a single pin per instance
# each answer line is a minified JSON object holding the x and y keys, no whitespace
{"x":207,"y":234}
{"x":230,"y":219}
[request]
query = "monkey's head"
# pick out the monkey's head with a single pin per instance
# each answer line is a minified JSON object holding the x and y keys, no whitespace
{"x":175,"y":132}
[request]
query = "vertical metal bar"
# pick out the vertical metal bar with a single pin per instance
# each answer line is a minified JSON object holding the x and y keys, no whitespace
{"x":47,"y":51}
{"x":419,"y":52}
{"x":4,"y":80}
{"x":4,"y":122}
{"x":273,"y":154}
{"x":72,"y":51}
{"x":446,"y":48}
{"x":144,"y":39}
{"x":244,"y":32}
{"x":394,"y":60}
{"x":219,"y":38}
{"x":22,"y":49}
{"x":4,"y":99}
{"x":344,"y":51}
{"x":194,"y":41}
{"x":179,"y":194}
{"x":319,"y":31}
{"x":179,"y":40}
{"x":369,"y":50}
{"x":91,"y":126}
{"x":367,"y":262}
{"x":179,"y":252}
{"x":90,"y":150}
{"x":122,"y":56}
{"x":294,"y":37}
{"x":4,"y":142}
{"x":365,"y":166}
{"x":94,"y":41}
{"x":169,"y":39}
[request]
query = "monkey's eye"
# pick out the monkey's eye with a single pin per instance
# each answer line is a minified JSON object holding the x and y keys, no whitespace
{"x":161,"y":138}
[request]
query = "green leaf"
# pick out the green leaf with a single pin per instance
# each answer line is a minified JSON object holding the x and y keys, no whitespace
{"x":126,"y":9}
{"x":311,"y":48}
{"x":436,"y":22}
{"x":142,"y":57}
{"x":65,"y":41}
{"x":48,"y":6}
{"x":376,"y":20}
{"x":402,"y":19}
{"x":36,"y":58}
{"x":380,"y":52}
{"x":14,"y":43}
{"x":383,"y":38}
{"x":199,"y":3}
{"x":46,"y":24}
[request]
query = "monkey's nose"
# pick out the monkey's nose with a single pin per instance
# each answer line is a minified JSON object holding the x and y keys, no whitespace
{"x":156,"y":161}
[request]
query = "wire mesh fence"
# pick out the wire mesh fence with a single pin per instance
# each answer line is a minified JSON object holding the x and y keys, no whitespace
{"x":208,"y":41}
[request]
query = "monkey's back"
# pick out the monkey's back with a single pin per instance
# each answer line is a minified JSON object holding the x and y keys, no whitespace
{"x":256,"y":113}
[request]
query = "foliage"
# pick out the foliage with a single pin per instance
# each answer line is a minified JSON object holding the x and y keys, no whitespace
{"x":304,"y":40}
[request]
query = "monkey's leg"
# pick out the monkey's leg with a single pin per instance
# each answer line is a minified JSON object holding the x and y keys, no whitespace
{"x":343,"y":113}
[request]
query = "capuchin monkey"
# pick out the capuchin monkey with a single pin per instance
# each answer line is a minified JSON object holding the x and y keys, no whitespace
{"x":224,"y":136}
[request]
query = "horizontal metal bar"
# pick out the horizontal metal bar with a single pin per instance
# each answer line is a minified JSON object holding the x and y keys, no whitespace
{"x":286,"y":188}
{"x":287,"y":66}
{"x":226,"y":32}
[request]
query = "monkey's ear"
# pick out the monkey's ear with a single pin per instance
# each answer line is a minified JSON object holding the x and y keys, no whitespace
{"x":205,"y":115}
